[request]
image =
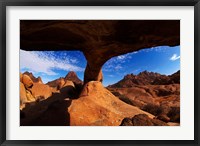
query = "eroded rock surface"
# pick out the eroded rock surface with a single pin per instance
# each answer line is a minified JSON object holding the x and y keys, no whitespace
{"x":161,"y":99}
{"x":64,"y":81}
{"x":32,"y":90}
{"x":33,"y":78}
{"x":97,"y":106}
{"x":41,"y":91}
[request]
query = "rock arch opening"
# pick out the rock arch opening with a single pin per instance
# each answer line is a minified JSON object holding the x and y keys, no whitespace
{"x":99,"y":40}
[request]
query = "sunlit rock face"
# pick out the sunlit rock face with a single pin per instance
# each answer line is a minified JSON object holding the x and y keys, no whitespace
{"x":97,"y":106}
{"x":99,"y":40}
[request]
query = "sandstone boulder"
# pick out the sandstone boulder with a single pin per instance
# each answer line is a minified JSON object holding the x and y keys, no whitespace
{"x":23,"y":98}
{"x":97,"y":106}
{"x":21,"y":76}
{"x":41,"y":91}
{"x":57,"y":84}
{"x":26,"y":80}
{"x":60,"y":83}
{"x":29,"y":96}
{"x":68,"y":83}
{"x":69,"y":89}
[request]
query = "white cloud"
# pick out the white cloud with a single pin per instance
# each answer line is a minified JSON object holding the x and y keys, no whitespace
{"x":174,"y":57}
{"x":121,"y":57}
{"x":118,"y":61}
{"x":45,"y":63}
{"x":136,"y":71}
{"x":118,"y":67}
{"x":74,"y":60}
{"x":111,"y":76}
{"x":126,"y":56}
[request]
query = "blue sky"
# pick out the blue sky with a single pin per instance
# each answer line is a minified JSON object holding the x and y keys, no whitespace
{"x":50,"y":65}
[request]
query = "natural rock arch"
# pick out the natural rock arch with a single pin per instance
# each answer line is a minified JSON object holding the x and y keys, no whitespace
{"x":99,"y":40}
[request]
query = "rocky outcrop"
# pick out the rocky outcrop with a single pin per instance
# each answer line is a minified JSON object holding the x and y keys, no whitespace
{"x":99,"y":40}
{"x":33,"y":78}
{"x":69,"y":89}
{"x":131,"y":80}
{"x":62,"y":82}
{"x":142,"y":120}
{"x":26,"y":80}
{"x":175,"y":78}
{"x":25,"y":90}
{"x":32,"y":91}
{"x":71,"y":76}
{"x":154,"y":93}
{"x":97,"y":106}
{"x":23,"y":98}
{"x":166,"y":80}
{"x":159,"y":100}
{"x":58,"y":83}
{"x":41,"y":91}
{"x":21,"y":76}
{"x":147,"y":78}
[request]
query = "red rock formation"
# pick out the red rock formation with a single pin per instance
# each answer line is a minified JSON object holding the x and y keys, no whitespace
{"x":99,"y":40}
{"x":26,"y":80}
{"x":33,"y":78}
{"x":62,"y":82}
{"x":58,"y":83}
{"x":21,"y":77}
{"x":71,"y":76}
{"x":25,"y":90}
{"x":97,"y":106}
{"x":23,"y":98}
{"x":160,"y":96}
{"x":159,"y":100}
{"x":147,"y":78}
{"x":41,"y":91}
{"x":131,"y":80}
{"x":175,"y":78}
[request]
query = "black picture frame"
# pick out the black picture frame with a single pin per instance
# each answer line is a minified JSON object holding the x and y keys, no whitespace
{"x":5,"y":3}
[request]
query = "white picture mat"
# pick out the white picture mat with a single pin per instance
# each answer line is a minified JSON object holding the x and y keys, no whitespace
{"x":183,"y":132}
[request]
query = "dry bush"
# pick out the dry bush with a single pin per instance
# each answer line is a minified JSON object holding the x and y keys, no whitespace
{"x":174,"y":114}
{"x":153,"y":109}
{"x":125,"y":99}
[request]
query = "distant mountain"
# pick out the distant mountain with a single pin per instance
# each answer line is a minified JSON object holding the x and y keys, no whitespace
{"x":71,"y":76}
{"x":175,"y":77}
{"x":147,"y":78}
{"x":166,"y":80}
{"x":33,"y":78}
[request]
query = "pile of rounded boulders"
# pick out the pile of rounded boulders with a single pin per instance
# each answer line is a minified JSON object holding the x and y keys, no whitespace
{"x":25,"y":90}
{"x":31,"y":91}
